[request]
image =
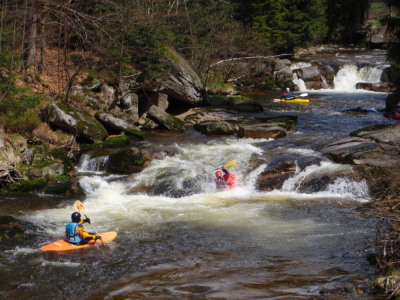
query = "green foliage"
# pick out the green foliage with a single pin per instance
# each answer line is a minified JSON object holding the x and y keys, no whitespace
{"x":345,"y":18}
{"x":18,"y":114}
{"x":285,"y":24}
{"x":393,"y":26}
{"x":26,"y":186}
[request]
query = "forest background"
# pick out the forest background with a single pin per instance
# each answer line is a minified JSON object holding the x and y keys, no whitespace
{"x":128,"y":36}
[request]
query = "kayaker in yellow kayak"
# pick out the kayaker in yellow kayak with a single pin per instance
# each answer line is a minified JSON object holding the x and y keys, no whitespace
{"x":76,"y":233}
{"x":287,"y":95}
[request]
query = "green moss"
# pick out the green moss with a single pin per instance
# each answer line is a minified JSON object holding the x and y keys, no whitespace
{"x":44,"y":164}
{"x":111,"y":142}
{"x":127,"y":160}
{"x":25,"y":186}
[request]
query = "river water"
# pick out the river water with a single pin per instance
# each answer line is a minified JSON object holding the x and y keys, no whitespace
{"x":239,"y":244}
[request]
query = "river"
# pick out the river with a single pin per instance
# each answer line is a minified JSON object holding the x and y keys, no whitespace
{"x":239,"y":244}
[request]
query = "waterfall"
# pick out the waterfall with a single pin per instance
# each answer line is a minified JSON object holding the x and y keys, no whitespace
{"x":299,"y":83}
{"x":296,"y":80}
{"x":349,"y":75}
{"x":89,"y":164}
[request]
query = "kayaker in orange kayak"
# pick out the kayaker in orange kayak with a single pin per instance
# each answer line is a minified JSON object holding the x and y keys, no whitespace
{"x":227,"y":181}
{"x":76,"y":233}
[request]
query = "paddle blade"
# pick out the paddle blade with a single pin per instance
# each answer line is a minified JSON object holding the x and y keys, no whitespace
{"x":304,"y":95}
{"x":79,"y":206}
{"x":230,"y":164}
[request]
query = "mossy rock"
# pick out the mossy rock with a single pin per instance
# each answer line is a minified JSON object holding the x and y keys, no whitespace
{"x":119,"y":141}
{"x":227,"y":101}
{"x":58,"y":187}
{"x":10,"y":228}
{"x":26,"y":186}
{"x":128,"y":160}
{"x":287,"y":122}
{"x":74,"y":121}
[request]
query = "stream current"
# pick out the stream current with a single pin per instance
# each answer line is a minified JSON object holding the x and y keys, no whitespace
{"x":239,"y":244}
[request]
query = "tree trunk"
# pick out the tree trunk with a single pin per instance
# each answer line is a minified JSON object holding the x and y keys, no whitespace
{"x":31,"y":34}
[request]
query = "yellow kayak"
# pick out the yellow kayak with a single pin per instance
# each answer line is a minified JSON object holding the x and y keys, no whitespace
{"x":295,"y":100}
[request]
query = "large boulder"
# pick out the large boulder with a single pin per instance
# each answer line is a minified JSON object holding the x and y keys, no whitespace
{"x":52,"y":169}
{"x":280,"y":168}
{"x":309,"y":73}
{"x":262,"y":131}
{"x":381,"y":134}
{"x":363,"y":151}
{"x":183,"y":84}
{"x":165,"y":119}
{"x":281,"y":64}
{"x":74,"y":121}
{"x":216,"y":128}
{"x":375,"y":87}
{"x":114,"y":124}
{"x":347,"y":150}
{"x":128,"y":160}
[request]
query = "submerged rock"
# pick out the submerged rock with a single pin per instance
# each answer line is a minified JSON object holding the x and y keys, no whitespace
{"x":11,"y":229}
{"x":171,"y":187}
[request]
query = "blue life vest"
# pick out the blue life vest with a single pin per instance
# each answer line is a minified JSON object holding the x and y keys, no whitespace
{"x":71,"y":233}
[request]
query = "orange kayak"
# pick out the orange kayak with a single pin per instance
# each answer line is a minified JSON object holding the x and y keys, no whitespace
{"x":62,"y":245}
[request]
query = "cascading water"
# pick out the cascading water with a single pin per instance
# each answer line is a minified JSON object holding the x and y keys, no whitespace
{"x":89,"y":164}
{"x":349,"y":75}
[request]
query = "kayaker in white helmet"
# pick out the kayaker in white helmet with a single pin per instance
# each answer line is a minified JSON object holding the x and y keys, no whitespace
{"x":287,"y":95}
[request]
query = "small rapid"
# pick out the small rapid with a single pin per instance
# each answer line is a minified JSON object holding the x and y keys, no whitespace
{"x":212,"y":241}
{"x":178,"y":237}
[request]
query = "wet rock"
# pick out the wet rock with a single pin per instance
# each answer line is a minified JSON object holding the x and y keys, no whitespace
{"x":258,"y":131}
{"x":356,"y":111}
{"x":172,"y":187}
{"x":11,"y":229}
{"x":347,"y":149}
{"x":249,"y":107}
{"x":328,"y":72}
{"x":114,"y":124}
{"x":276,"y":173}
{"x":165,"y":119}
{"x":128,"y":160}
{"x":320,"y":181}
{"x":282,"y":168}
{"x":216,"y":128}
{"x":375,"y":87}
{"x":386,"y":134}
{"x":287,"y":122}
{"x":309,"y":73}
